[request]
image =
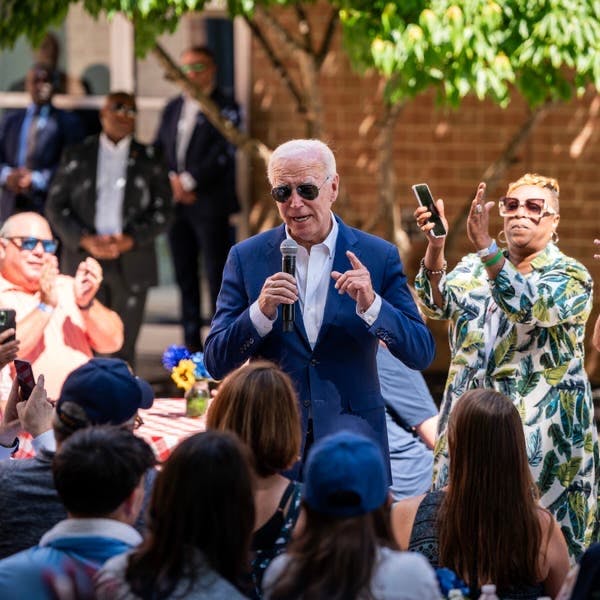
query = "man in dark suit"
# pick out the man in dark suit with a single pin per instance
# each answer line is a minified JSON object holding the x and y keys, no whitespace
{"x":31,"y":143}
{"x":351,"y":292}
{"x":201,"y":165}
{"x":110,"y":199}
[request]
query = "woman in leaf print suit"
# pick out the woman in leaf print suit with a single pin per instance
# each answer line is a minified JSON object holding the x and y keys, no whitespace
{"x":517,"y":322}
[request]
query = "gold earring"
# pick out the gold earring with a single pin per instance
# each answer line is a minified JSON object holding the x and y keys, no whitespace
{"x":501,"y":237}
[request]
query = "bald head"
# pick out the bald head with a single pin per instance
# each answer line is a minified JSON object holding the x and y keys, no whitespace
{"x":26,"y":224}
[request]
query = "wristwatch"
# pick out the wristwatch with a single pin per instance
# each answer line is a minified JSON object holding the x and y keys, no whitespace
{"x":491,"y":249}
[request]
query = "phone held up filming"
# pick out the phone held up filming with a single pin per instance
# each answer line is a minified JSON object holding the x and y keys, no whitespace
{"x":425,"y":198}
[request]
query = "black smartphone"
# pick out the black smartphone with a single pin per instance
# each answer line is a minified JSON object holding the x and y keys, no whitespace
{"x":425,"y":198}
{"x":24,"y":377}
{"x":8,"y":321}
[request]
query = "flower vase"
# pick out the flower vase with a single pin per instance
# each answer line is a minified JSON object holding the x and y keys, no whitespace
{"x":196,"y":399}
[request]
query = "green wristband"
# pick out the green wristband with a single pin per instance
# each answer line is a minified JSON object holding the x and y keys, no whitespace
{"x":495,"y":259}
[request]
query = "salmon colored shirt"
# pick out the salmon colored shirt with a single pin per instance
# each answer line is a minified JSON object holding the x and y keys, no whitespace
{"x":64,"y":345}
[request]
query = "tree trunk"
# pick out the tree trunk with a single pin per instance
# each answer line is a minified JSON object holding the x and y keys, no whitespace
{"x":388,"y":210}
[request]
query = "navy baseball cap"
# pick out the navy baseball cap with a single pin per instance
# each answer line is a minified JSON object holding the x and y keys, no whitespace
{"x":107,"y":392}
{"x":345,"y":476}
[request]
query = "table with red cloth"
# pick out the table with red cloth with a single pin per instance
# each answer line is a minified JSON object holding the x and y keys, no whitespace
{"x":165,"y":425}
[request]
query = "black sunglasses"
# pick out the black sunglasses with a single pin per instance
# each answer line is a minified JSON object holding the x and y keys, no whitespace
{"x":123,"y":110}
{"x":308,"y":191}
{"x":29,"y":243}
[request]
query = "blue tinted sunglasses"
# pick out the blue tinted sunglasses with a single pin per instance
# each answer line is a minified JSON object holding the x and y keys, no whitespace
{"x":29,"y":243}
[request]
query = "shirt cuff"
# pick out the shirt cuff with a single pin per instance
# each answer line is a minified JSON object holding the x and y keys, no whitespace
{"x":44,"y":441}
{"x":38,"y":181}
{"x":4,"y":173}
{"x":261,"y":322}
{"x":188,"y":183}
{"x":370,"y":315}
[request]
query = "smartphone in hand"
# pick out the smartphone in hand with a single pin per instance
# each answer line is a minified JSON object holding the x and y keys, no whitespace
{"x":8,"y":321}
{"x":425,"y":198}
{"x":24,"y":377}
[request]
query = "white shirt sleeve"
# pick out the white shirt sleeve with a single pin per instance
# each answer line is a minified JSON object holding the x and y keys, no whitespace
{"x":370,"y":315}
{"x":262,"y":323}
{"x":44,"y":441}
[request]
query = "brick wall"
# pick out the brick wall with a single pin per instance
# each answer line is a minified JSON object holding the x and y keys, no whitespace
{"x":449,"y":149}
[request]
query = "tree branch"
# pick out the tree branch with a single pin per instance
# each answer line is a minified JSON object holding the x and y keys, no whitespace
{"x":279,"y":67}
{"x":327,"y":38}
{"x":283,"y":34}
{"x":304,"y":28}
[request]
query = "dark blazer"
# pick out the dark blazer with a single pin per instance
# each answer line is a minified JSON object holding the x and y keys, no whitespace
{"x":339,"y":377}
{"x":61,"y":130}
{"x":210,"y":158}
{"x":147,"y":207}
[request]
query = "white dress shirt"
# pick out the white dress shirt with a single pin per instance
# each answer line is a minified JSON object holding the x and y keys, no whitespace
{"x":313,"y":277}
{"x":111,"y":178}
{"x":185,"y":129}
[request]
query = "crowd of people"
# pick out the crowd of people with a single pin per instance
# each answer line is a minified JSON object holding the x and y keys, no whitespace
{"x":325,"y":471}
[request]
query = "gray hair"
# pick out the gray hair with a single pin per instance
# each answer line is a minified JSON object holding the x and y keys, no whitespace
{"x":302,"y":149}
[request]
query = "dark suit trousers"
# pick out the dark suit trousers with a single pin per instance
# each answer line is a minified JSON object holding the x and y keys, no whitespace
{"x":128,"y":301}
{"x":210,"y":237}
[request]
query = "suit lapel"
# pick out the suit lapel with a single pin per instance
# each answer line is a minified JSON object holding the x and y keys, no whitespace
{"x":346,"y":240}
{"x":90,"y":170}
{"x":131,"y":196}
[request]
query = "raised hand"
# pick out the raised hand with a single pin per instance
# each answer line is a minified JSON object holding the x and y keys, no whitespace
{"x":48,"y":291}
{"x":356,"y":283}
{"x":478,"y":221}
{"x":8,"y":350}
{"x":87,"y":281}
{"x":422,"y":215}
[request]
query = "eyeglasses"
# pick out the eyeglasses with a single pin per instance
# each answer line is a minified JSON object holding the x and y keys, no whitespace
{"x":194,"y":68}
{"x":30,"y":243}
{"x":534,"y":207}
{"x":308,"y":191}
{"x":123,"y":110}
{"x":137,"y":422}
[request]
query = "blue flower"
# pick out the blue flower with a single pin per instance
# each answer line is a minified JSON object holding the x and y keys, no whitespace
{"x":172,"y":355}
{"x":201,"y":371}
{"x":448,"y":581}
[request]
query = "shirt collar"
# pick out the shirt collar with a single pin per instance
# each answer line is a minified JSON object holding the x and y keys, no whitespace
{"x":330,"y":241}
{"x":121,"y":147}
{"x":107,"y":528}
{"x":546,"y":257}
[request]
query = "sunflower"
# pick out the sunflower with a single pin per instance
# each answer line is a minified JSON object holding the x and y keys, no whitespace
{"x":183,"y":374}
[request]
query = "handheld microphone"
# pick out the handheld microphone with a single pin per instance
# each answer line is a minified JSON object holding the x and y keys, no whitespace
{"x":288,"y":248}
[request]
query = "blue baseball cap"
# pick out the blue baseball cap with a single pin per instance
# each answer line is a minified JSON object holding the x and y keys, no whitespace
{"x":106,"y":390}
{"x":345,"y":476}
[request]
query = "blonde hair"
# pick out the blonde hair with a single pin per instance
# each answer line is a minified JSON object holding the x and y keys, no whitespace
{"x":540,"y":181}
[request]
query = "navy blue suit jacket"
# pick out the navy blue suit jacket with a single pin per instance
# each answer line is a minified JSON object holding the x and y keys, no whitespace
{"x":339,"y":376}
{"x":209,"y":159}
{"x":60,"y":130}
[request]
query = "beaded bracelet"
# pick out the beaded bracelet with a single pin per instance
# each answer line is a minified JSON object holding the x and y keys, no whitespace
{"x":495,"y":259}
{"x":430,"y":271}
